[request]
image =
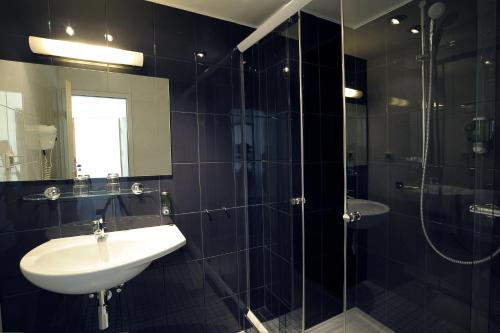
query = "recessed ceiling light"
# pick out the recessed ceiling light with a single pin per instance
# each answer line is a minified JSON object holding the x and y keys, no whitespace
{"x":415,"y":29}
{"x":201,"y":54}
{"x":70,"y":31}
{"x":396,"y":20}
{"x":108,"y":37}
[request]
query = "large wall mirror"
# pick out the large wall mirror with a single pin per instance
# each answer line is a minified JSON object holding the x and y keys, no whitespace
{"x":61,"y":122}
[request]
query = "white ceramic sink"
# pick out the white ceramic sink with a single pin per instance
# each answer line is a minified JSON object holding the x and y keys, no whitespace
{"x":83,"y":265}
{"x":373,"y":213}
{"x":367,"y":207}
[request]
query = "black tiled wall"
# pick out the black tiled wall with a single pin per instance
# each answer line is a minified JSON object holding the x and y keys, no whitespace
{"x":198,"y":288}
{"x":323,"y":175}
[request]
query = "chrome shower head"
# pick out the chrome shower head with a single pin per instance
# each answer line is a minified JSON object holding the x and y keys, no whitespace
{"x":436,"y":10}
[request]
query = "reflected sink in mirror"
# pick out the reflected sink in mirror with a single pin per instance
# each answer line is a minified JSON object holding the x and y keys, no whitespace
{"x":84,"y":264}
{"x":372,"y":212}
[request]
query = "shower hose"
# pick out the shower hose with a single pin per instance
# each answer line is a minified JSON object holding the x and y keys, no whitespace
{"x":427,"y":112}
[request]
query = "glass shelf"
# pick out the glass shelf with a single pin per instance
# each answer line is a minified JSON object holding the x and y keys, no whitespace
{"x":91,"y":194}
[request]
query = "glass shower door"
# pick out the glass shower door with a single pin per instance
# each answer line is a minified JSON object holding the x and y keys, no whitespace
{"x":422,"y":258}
{"x":273,"y":172}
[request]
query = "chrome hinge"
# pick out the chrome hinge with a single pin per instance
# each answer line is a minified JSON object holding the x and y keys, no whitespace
{"x":297,"y":201}
{"x":351,"y":217}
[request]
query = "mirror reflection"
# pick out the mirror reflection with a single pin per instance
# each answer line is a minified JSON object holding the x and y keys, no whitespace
{"x":59,"y":122}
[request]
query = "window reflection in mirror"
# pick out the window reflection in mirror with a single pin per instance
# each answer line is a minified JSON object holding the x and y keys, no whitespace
{"x":106,"y":150}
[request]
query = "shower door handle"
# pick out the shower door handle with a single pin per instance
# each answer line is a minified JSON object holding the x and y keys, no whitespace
{"x":351,"y":217}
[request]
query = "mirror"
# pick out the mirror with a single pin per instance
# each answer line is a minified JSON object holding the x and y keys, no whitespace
{"x":60,"y":122}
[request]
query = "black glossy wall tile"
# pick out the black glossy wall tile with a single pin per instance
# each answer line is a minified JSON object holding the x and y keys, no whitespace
{"x":87,"y":18}
{"x":20,"y":50}
{"x":217,"y":185}
{"x":218,"y":38}
{"x":219,"y":232}
{"x":13,"y":209}
{"x":222,"y":315}
{"x":26,"y":17}
{"x":186,"y":189}
{"x":255,"y":182}
{"x":189,"y":319}
{"x":182,"y":83}
{"x":185,"y":131}
{"x":190,"y":226}
{"x":215,"y":138}
{"x":222,"y":275}
{"x":184,"y":286}
{"x":144,"y":294}
{"x":214,"y":87}
{"x":18,"y":314}
{"x":331,"y":91}
{"x":131,"y":23}
{"x":175,"y":27}
{"x":14,"y":246}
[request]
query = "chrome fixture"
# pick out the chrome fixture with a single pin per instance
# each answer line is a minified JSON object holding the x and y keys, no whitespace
{"x":396,"y":20}
{"x":166,"y":203}
{"x":70,"y":31}
{"x":351,"y":217}
{"x":137,"y":188}
{"x":487,"y":210}
{"x":52,"y":193}
{"x":102,"y":308}
{"x":98,"y":229}
{"x":297,"y":201}
{"x":401,"y":186}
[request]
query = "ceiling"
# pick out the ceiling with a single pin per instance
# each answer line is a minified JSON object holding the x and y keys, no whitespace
{"x":254,"y":12}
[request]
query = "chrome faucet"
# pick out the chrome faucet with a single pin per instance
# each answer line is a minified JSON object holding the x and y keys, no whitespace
{"x":99,"y":229}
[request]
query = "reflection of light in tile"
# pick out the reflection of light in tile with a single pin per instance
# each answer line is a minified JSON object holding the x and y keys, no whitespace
{"x":396,"y":101}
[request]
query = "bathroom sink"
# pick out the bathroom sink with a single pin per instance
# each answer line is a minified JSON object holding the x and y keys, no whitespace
{"x":367,"y":207}
{"x":372,"y":213}
{"x":83,"y":265}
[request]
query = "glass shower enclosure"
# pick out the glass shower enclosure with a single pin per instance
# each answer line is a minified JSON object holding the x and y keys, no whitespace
{"x":385,"y":125}
{"x":422,"y":168}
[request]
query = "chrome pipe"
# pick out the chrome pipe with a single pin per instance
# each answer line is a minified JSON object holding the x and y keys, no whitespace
{"x":422,"y":64}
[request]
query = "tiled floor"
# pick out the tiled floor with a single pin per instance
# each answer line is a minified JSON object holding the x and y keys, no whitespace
{"x":356,"y":322}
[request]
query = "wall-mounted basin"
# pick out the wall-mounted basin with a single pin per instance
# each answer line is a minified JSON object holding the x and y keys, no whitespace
{"x":84,"y":265}
{"x":372,"y":212}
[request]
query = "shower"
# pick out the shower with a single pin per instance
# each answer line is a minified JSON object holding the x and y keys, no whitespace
{"x":435,"y":13}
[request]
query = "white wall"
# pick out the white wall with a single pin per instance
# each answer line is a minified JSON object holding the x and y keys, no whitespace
{"x":33,"y":89}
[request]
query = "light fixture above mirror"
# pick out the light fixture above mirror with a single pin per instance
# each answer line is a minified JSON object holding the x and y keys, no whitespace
{"x":85,"y":52}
